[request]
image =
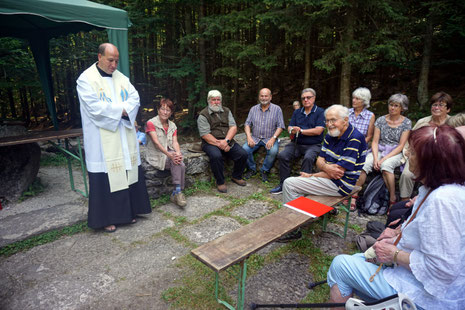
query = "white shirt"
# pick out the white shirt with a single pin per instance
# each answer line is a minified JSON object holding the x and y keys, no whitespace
{"x":435,"y":240}
{"x":96,"y":114}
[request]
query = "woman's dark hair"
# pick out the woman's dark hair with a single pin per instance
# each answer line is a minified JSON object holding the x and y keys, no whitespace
{"x":166,"y":102}
{"x":442,"y":97}
{"x":440,"y":154}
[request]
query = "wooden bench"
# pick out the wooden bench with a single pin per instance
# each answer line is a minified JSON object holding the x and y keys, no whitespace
{"x":237,"y":246}
{"x":49,"y":136}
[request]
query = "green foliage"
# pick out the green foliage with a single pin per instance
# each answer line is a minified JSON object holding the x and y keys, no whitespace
{"x":44,"y":238}
{"x":34,"y":189}
{"x":180,"y":49}
{"x":55,"y":160}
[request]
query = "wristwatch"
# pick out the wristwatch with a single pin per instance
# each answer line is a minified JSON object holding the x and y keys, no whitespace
{"x":275,"y":137}
{"x":228,"y":141}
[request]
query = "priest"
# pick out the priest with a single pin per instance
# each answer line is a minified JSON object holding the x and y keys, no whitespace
{"x":109,"y":105}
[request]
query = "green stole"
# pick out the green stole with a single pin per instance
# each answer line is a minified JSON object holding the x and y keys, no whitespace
{"x":118,"y":177}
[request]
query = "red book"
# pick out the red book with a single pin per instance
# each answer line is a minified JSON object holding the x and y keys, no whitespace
{"x":308,"y":206}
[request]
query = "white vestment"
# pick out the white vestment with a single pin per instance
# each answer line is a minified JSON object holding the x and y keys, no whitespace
{"x":97,"y":113}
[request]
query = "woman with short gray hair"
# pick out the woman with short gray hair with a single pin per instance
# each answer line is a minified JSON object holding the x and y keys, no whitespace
{"x":390,"y":135}
{"x":359,"y":116}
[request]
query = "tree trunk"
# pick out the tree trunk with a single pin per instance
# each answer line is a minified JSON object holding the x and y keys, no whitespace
{"x":307,"y":60}
{"x":422,"y":92}
{"x":202,"y":56}
{"x":26,"y":115}
{"x":346,"y":68}
{"x":12,"y":102}
{"x":3,"y":107}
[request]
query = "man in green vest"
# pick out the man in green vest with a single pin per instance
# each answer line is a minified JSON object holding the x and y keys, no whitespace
{"x":217,"y":129}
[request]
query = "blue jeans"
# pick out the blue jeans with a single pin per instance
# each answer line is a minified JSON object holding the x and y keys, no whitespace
{"x":269,"y":158}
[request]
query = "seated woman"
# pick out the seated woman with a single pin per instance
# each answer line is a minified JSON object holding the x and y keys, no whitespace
{"x":163,"y":151}
{"x":441,"y":104}
{"x":359,"y":116}
{"x":391,"y":134}
{"x":457,"y":121}
{"x":429,"y":260}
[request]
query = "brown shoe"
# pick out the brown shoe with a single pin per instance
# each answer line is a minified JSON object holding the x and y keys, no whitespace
{"x":239,"y":182}
{"x":179,"y":199}
{"x":222,"y":188}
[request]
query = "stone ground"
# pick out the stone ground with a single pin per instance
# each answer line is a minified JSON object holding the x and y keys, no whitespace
{"x":133,"y":267}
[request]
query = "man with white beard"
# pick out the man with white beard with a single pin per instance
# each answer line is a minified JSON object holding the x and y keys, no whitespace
{"x":217,"y":129}
{"x":263,"y":126}
{"x":340,"y":161}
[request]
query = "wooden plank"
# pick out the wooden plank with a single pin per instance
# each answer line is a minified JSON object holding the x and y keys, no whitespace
{"x":40,"y":136}
{"x":238,"y":245}
{"x":234,"y":247}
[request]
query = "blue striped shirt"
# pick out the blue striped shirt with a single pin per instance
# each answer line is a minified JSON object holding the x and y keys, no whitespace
{"x":349,"y":152}
{"x":264,"y":123}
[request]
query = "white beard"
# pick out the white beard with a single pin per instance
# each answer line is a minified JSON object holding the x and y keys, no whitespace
{"x":264,"y":102}
{"x":215,"y":108}
{"x":334,"y":133}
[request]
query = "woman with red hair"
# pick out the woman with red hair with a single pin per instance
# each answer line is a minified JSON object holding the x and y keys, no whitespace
{"x":163,"y":150}
{"x":429,"y":258}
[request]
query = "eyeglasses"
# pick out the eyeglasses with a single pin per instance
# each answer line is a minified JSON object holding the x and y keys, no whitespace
{"x":439,"y":105}
{"x":395,"y":105}
{"x":331,"y":121}
{"x":307,"y":97}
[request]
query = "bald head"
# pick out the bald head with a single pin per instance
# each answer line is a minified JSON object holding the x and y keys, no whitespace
{"x":264,"y":96}
{"x":108,"y":57}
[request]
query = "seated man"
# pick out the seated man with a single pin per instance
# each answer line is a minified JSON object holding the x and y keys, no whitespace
{"x":266,"y":120}
{"x":217,"y":129}
{"x":340,"y":161}
{"x":307,"y":126}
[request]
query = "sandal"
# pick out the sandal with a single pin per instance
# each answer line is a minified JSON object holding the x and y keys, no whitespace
{"x":353,"y":203}
{"x":110,"y":229}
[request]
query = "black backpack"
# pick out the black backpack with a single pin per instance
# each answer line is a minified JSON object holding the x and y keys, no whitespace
{"x":375,"y":199}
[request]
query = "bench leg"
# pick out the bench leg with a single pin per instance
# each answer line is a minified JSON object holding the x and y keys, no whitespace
{"x":240,"y":288}
{"x":81,"y":160}
{"x":344,"y":208}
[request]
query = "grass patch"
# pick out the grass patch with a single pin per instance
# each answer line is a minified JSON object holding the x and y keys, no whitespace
{"x":356,"y":227}
{"x":196,"y":288}
{"x":34,"y":189}
{"x":57,"y":160}
{"x":199,"y":186}
{"x":163,"y":199}
{"x":176,"y":235}
{"x":44,"y":238}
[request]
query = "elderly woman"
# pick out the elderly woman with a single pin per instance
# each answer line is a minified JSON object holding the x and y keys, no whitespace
{"x":359,"y":116}
{"x":440,"y":103}
{"x":429,"y":260}
{"x":163,"y":151}
{"x":457,"y":121}
{"x":391,"y":134}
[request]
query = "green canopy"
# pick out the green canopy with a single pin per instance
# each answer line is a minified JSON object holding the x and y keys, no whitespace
{"x":40,"y":20}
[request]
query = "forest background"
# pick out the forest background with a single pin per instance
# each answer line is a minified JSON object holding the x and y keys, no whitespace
{"x":180,"y":49}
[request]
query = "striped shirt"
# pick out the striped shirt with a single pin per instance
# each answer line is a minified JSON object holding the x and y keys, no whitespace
{"x":349,"y":152}
{"x":264,"y":123}
{"x":362,"y":121}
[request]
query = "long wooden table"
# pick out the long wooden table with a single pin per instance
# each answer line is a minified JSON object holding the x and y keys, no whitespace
{"x":50,"y":136}
{"x":237,"y":246}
